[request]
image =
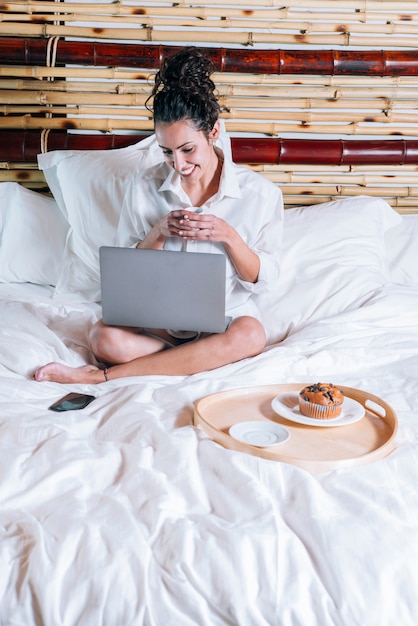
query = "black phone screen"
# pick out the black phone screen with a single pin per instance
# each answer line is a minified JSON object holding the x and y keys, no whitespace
{"x":72,"y":402}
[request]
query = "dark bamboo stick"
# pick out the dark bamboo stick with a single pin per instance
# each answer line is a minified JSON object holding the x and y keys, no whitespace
{"x":32,"y":51}
{"x":325,"y":152}
{"x":23,"y":147}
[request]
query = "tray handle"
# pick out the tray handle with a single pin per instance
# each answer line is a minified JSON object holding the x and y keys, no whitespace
{"x":375,"y":407}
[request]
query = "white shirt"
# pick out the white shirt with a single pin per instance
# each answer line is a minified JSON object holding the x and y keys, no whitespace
{"x":250,"y":203}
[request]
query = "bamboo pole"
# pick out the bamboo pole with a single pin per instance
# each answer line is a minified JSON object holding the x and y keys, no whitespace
{"x":273,"y":129}
{"x":34,"y":51}
{"x":291,"y":200}
{"x":409,"y":205}
{"x":121,"y":89}
{"x":24,"y":146}
{"x":7,"y":165}
{"x":322,"y":5}
{"x":362,"y":180}
{"x":279,"y":116}
{"x":404,"y":207}
{"x":39,"y":73}
{"x":121,"y":9}
{"x":307,"y":96}
{"x":324,"y":80}
{"x":316,"y":5}
{"x":246,"y":38}
{"x":74,"y":123}
{"x":113,"y":113}
{"x":21,"y":176}
{"x":388,"y":110}
{"x":312,"y":117}
{"x":283,"y":129}
{"x":99,"y":99}
{"x":328,"y":168}
{"x":195,"y":19}
{"x":350,"y":191}
{"x":388,"y":172}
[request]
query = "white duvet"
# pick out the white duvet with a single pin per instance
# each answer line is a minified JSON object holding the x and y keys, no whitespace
{"x":126,"y":514}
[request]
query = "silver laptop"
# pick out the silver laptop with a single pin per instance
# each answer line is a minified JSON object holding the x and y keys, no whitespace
{"x":163,"y":289}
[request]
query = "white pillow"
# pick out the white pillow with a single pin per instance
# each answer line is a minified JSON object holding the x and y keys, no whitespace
{"x":90,"y":187}
{"x":333,"y":259}
{"x":33,"y":235}
{"x":401,"y":246}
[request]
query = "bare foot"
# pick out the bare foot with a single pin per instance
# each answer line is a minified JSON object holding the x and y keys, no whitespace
{"x":59,"y":373}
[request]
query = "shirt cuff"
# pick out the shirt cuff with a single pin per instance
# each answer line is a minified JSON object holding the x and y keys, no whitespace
{"x":267,"y":276}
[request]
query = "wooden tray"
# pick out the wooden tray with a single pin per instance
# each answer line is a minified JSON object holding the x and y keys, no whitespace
{"x":313,"y":448}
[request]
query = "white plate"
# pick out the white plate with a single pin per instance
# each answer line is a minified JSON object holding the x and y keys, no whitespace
{"x":259,"y":433}
{"x":287,"y":405}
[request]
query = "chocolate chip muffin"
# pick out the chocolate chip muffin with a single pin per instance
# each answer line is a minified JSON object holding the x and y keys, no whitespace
{"x":321,"y":401}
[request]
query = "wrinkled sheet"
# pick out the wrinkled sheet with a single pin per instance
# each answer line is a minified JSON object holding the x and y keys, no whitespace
{"x":126,"y":514}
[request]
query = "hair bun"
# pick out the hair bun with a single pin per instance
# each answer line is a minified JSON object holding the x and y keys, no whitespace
{"x":189,"y":70}
{"x":183,"y":89}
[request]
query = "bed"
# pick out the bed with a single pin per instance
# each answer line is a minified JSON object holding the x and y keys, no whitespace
{"x":127,"y":512}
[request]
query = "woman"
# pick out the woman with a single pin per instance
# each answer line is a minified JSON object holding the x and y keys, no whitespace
{"x":196,"y":200}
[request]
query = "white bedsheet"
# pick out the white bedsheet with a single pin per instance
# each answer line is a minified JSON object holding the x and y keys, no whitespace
{"x":125,"y":514}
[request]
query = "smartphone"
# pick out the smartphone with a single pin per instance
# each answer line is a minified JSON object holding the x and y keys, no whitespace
{"x":72,"y":402}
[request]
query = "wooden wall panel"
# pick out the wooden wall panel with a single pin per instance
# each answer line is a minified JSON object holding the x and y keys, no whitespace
{"x":319,"y":96}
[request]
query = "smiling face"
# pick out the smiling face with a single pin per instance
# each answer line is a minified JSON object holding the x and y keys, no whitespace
{"x":189,"y":151}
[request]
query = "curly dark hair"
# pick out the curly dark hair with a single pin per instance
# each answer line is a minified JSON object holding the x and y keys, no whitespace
{"x":183,"y":90}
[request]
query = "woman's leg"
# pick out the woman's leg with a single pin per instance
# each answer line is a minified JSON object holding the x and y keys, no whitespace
{"x":114,"y":344}
{"x":245,"y":337}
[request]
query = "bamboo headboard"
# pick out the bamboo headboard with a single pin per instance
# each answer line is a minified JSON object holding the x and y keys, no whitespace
{"x":307,"y":98}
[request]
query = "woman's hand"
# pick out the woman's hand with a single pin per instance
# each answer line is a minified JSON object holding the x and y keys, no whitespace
{"x":206,"y":227}
{"x":167,"y":226}
{"x":199,"y":226}
{"x":186,"y":225}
